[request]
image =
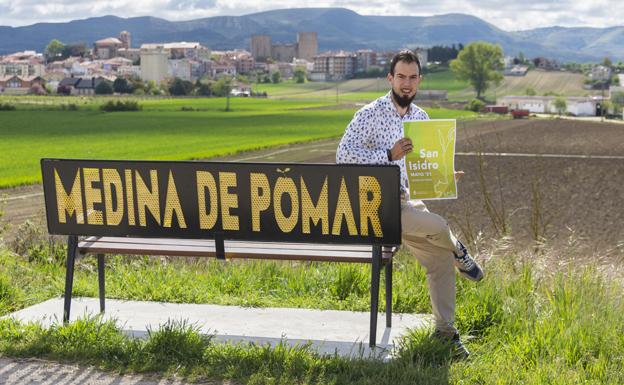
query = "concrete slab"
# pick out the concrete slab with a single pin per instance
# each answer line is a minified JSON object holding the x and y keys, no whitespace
{"x":329,"y":331}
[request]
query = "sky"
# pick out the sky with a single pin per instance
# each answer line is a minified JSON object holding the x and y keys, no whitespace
{"x":510,"y":15}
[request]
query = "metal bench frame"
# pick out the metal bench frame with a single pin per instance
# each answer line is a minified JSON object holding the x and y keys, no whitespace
{"x":379,"y":256}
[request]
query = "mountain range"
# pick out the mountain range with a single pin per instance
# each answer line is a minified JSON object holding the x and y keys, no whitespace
{"x":337,"y":28}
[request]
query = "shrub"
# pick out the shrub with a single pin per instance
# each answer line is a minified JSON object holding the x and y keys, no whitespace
{"x":69,"y":107}
{"x":180,"y":87}
{"x":37,"y":89}
{"x":122,"y":86}
{"x":104,"y":88}
{"x":475,"y":105}
{"x":119,"y":105}
{"x":7,"y":107}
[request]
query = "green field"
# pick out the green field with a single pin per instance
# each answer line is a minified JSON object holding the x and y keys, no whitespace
{"x":39,"y":128}
{"x":364,"y":90}
{"x":356,"y":90}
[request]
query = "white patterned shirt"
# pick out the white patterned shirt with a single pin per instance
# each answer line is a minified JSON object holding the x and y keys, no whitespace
{"x":375,"y":128}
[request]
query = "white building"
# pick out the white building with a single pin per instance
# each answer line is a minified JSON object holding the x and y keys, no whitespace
{"x":576,"y":105}
{"x":154,"y":65}
{"x":180,"y":68}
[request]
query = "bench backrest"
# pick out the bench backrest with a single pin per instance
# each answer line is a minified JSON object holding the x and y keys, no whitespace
{"x":319,"y":203}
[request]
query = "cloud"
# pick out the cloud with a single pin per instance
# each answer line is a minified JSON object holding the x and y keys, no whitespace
{"x":514,"y":15}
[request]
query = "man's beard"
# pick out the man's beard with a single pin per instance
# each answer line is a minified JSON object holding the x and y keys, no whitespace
{"x":403,"y":101}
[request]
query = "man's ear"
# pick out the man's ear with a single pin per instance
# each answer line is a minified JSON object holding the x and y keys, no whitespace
{"x":390,"y":77}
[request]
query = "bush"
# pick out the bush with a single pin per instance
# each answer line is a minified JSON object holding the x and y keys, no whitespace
{"x":37,"y":89}
{"x":119,"y":105}
{"x":32,"y":241}
{"x":122,"y":86}
{"x":69,"y":107}
{"x":475,"y":105}
{"x":180,"y":87}
{"x":104,"y":88}
{"x":63,"y":90}
{"x":7,"y":107}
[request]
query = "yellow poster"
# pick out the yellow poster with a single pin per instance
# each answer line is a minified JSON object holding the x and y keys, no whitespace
{"x":431,"y":166}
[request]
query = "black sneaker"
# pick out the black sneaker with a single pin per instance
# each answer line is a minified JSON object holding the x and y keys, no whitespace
{"x":468,"y":267}
{"x":459,"y":350}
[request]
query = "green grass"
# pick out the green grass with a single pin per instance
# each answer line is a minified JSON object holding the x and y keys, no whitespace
{"x":162,"y":130}
{"x":551,"y":326}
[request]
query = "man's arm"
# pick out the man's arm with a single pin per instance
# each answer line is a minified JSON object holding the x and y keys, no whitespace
{"x":352,"y":147}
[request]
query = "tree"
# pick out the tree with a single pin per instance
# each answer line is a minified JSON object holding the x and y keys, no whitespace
{"x":180,"y":87}
{"x":79,"y":49}
{"x":607,"y":62}
{"x":276,"y":77}
{"x":204,"y":89}
{"x":479,"y":63}
{"x":121,"y":86}
{"x":223,"y":87}
{"x":530,"y":91}
{"x":104,"y":88}
{"x":560,"y":105}
{"x":54,"y":50}
{"x":299,"y":75}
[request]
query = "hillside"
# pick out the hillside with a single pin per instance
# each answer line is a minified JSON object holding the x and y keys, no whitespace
{"x":338,"y":28}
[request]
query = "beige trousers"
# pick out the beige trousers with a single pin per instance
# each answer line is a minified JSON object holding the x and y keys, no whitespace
{"x":428,"y":237}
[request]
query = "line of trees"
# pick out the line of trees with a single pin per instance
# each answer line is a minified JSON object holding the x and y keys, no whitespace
{"x":56,"y":50}
{"x":443,"y":54}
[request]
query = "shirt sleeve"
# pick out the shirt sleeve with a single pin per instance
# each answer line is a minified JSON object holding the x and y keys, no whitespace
{"x":355,"y":145}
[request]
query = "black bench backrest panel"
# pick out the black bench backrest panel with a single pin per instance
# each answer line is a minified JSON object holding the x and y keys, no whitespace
{"x":317,"y":203}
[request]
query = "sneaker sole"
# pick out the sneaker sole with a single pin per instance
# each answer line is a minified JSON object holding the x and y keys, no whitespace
{"x":467,"y":276}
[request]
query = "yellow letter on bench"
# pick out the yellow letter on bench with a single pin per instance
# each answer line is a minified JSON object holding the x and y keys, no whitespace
{"x":259,"y":202}
{"x":205,"y":180}
{"x":147,"y":199}
{"x":369,"y":209}
{"x":71,"y":203}
{"x":173,"y":204}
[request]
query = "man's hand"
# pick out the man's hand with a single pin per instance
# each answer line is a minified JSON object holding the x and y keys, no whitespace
{"x":401,"y":148}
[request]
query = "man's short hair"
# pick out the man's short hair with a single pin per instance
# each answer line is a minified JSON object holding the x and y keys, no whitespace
{"x":407,"y":56}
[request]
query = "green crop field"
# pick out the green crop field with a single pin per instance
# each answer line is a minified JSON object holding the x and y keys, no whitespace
{"x":365,"y":90}
{"x":162,"y":130}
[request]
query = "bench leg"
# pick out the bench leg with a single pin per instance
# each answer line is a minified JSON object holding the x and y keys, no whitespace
{"x":100,"y":258}
{"x":376,"y":272}
{"x":389,"y":293}
{"x":72,"y":244}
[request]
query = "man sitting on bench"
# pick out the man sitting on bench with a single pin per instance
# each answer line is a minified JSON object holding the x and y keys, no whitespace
{"x":375,"y":136}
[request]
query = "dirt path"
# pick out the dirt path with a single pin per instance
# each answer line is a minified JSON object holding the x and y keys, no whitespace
{"x":33,"y":371}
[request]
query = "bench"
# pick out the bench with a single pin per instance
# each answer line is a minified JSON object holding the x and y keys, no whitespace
{"x":337,"y":213}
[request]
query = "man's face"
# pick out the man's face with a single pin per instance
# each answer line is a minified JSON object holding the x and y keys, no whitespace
{"x":405,"y":80}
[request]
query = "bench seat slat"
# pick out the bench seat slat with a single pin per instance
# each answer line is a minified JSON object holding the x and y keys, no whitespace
{"x":233,"y":249}
{"x":245,"y":244}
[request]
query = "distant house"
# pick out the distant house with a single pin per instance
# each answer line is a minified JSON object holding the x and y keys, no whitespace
{"x":600,"y":73}
{"x":81,"y":86}
{"x":576,"y":105}
{"x":14,"y":84}
{"x":517,"y":70}
{"x":87,"y":86}
{"x":67,"y":85}
{"x":241,"y":89}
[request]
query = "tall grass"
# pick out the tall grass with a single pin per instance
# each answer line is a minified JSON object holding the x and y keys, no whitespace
{"x":528,"y":322}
